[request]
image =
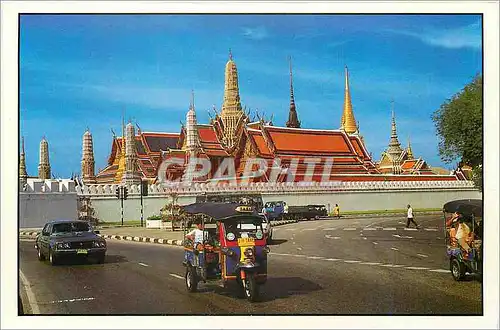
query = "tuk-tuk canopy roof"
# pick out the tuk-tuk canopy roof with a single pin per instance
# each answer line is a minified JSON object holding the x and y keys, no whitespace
{"x":219,"y":211}
{"x":465,"y":206}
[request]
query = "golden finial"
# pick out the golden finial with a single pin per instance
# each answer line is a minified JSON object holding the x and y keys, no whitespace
{"x":348,"y":122}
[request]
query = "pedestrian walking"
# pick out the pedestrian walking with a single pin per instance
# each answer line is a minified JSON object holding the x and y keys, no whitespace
{"x":336,"y":211}
{"x":410,"y":217}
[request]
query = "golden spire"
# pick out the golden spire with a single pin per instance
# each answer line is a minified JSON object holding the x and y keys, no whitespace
{"x":394,"y":148}
{"x":348,"y":122}
{"x":293,"y":120}
{"x":121,"y":162}
{"x":409,"y":152}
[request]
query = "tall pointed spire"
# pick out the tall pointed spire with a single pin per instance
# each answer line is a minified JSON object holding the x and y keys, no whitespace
{"x":121,"y":162}
{"x":192,"y":138}
{"x":44,"y":164}
{"x":231,"y":111}
{"x":293,"y":120}
{"x":131,"y":174}
{"x":88,"y":163}
{"x":23,"y":175}
{"x":348,"y":122}
{"x":409,"y":152}
{"x":394,"y":149}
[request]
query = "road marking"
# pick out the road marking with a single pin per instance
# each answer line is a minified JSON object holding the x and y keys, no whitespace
{"x":71,"y":300}
{"x":369,"y":228}
{"x":330,"y":229}
{"x":396,"y":235}
{"x":29,"y":293}
{"x":332,"y":237}
{"x":143,"y":264}
{"x":315,"y":258}
{"x":333,"y":259}
{"x":422,"y":255}
{"x":411,"y":229}
{"x":309,"y":229}
{"x":439,"y":270}
{"x":393,"y":248}
{"x":417,"y":268}
{"x":350,"y":228}
{"x":406,"y":237}
{"x":389,"y":228}
{"x":370,"y":263}
{"x":281,"y":254}
{"x":431,"y":229}
{"x":298,"y":255}
{"x":176,"y":276}
{"x":352,"y":261}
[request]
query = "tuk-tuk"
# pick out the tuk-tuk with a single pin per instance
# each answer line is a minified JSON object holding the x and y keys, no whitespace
{"x":465,"y":253}
{"x":233,"y":248}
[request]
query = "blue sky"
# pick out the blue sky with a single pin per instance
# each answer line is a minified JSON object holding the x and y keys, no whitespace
{"x":79,"y":71}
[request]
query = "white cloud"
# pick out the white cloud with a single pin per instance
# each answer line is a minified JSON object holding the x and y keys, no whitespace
{"x":462,"y":37}
{"x":257,"y":33}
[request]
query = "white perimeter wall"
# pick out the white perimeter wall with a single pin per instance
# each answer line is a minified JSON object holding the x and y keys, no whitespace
{"x":35,"y":209}
{"x":387,"y":200}
{"x":107,"y":208}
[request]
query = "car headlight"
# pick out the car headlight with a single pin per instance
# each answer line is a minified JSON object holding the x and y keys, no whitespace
{"x":98,"y":244}
{"x":62,"y":245}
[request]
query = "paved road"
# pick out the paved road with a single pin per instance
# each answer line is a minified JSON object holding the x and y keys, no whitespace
{"x":316,"y":267}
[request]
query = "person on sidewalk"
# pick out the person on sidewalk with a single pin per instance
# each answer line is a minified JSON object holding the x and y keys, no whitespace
{"x":410,"y":218}
{"x":336,"y":211}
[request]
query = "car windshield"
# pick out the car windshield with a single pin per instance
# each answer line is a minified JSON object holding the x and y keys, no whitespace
{"x":245,"y":227}
{"x":68,"y":227}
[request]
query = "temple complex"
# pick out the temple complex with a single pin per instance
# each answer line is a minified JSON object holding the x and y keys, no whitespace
{"x":289,"y":152}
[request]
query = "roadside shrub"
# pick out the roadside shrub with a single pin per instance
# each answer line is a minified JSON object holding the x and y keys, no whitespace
{"x":155,"y":217}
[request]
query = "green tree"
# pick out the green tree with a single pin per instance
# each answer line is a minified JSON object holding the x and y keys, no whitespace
{"x":459,"y":125}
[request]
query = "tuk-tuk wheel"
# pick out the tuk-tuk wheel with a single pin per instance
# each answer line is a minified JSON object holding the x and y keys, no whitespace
{"x":457,"y":269}
{"x":251,"y":289}
{"x":191,"y":280}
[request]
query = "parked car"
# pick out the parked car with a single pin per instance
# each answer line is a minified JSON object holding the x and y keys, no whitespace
{"x":61,"y":239}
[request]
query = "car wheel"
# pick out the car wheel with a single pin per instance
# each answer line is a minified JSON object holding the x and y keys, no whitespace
{"x":41,"y":256}
{"x":52,"y":258}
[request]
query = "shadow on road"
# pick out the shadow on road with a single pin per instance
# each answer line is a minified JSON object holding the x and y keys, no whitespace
{"x":283,"y":287}
{"x":278,"y":241}
{"x":110,"y":259}
{"x":275,"y":288}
